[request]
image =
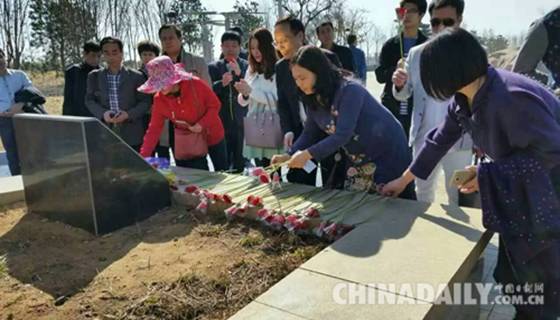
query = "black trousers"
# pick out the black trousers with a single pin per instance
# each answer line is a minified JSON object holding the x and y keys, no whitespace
{"x":196,"y":163}
{"x":542,"y":269}
{"x":234,"y":135}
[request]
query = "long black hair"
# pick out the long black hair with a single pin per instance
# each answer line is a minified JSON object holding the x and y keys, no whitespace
{"x":451,"y":61}
{"x":268,"y":53}
{"x":328,"y":76}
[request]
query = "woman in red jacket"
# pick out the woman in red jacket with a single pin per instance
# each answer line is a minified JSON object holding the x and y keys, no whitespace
{"x":189,"y":104}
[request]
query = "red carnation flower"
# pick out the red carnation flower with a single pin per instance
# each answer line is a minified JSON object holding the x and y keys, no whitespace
{"x":202,"y":206}
{"x":292,"y":218}
{"x":401,"y":12}
{"x":312,"y":213}
{"x":191,"y":188}
{"x":209,"y":195}
{"x":264,"y":178}
{"x":231,"y":212}
{"x":269,"y":219}
{"x":331,"y":230}
{"x":255,"y":201}
{"x":279,"y":219}
{"x":298,"y":225}
{"x":263,"y":213}
{"x":258,"y":172}
{"x":227,"y":199}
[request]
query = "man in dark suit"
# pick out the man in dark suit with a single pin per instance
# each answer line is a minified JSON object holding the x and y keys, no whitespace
{"x":325,"y":33}
{"x":112,"y":96}
{"x":289,"y":36}
{"x":75,"y":81}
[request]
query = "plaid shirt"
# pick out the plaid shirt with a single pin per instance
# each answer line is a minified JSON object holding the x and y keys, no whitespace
{"x":113,"y":81}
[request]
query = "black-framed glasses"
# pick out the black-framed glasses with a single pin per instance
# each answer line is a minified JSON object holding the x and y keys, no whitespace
{"x":448,"y":22}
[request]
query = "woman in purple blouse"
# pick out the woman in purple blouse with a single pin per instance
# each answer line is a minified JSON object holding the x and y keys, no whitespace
{"x":344,"y":119}
{"x":514,"y":121}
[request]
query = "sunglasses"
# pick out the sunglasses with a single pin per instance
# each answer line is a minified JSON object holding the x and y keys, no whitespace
{"x":448,"y":22}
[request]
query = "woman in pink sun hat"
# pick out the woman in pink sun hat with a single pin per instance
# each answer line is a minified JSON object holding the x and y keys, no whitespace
{"x":191,"y":106}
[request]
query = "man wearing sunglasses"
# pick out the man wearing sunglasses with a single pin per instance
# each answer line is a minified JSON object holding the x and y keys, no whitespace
{"x":427,"y":112}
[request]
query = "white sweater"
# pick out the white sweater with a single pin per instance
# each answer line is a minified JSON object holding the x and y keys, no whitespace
{"x":260,"y":89}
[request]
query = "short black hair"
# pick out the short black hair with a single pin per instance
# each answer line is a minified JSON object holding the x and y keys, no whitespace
{"x":459,"y":5}
{"x":328,"y":76}
{"x":149,"y":46}
{"x":459,"y":54}
{"x":91,"y":46}
{"x":173,"y":27}
{"x":421,"y":4}
{"x":352,"y":39}
{"x":231,"y":36}
{"x":113,"y":40}
{"x":296,"y":26}
{"x":326,"y":23}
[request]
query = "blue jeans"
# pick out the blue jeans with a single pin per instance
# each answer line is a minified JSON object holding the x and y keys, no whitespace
{"x":8,"y":135}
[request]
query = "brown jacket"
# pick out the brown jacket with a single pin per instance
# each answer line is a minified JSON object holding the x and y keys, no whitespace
{"x":196,"y":65}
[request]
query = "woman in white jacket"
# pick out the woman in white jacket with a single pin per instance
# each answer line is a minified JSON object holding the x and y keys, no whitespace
{"x":258,"y":91}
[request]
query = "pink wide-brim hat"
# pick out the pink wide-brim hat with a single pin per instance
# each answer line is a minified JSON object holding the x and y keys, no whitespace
{"x":162,"y":74}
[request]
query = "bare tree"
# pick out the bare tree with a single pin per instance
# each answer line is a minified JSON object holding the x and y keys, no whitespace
{"x":14,"y":28}
{"x":308,"y":10}
{"x":348,"y":21}
{"x":115,"y":17}
{"x":373,"y":37}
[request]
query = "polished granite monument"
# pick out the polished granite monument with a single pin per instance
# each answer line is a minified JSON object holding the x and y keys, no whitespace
{"x":77,"y":171}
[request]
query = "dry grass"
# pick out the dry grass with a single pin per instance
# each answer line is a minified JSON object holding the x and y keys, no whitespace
{"x":202,"y":297}
{"x":51,"y":84}
{"x":3,"y":266}
{"x":184,"y":265}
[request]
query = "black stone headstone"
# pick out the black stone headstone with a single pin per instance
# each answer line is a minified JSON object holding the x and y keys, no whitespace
{"x":76,"y":170}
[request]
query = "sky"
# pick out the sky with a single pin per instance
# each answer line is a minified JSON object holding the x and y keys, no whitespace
{"x":506,"y":17}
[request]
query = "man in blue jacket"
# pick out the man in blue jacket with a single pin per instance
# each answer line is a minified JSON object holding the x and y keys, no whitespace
{"x":11,"y":81}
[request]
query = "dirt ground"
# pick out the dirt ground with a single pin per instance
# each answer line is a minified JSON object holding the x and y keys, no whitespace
{"x":174,"y":265}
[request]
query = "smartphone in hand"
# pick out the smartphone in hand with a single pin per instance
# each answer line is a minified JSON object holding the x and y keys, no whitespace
{"x":460,"y":177}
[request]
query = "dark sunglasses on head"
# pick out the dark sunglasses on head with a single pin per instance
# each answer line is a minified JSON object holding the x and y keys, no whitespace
{"x":448,"y":22}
